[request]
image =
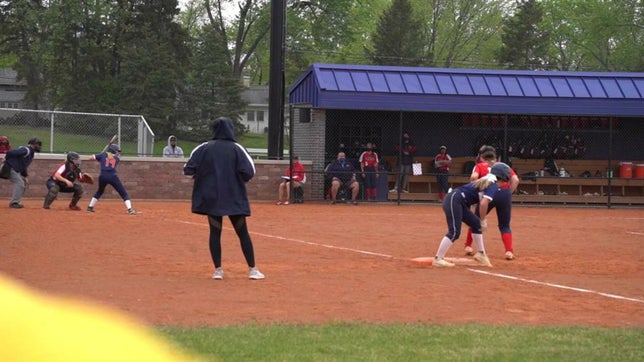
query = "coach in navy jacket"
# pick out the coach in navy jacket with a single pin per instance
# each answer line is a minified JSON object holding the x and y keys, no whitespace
{"x":220,"y":167}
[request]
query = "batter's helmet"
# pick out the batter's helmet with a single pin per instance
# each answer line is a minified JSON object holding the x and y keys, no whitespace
{"x":114,"y":148}
{"x":73,"y":158}
{"x":501,"y":171}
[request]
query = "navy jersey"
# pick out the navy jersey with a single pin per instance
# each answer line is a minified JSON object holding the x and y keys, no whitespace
{"x":108,"y":164}
{"x":471,"y":195}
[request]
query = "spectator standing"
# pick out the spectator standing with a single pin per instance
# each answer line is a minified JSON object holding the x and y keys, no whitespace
{"x":343,"y":174}
{"x":406,"y":150}
{"x":172,"y":150}
{"x":297,"y":177}
{"x":18,"y":160}
{"x":441,"y":163}
{"x":221,"y":168}
{"x":369,"y":168}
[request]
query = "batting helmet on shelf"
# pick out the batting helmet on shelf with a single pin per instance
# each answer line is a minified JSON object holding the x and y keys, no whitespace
{"x":501,"y":171}
{"x":114,"y":148}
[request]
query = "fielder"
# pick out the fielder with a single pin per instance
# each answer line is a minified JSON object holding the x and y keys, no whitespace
{"x":457,"y":210}
{"x":502,"y":201}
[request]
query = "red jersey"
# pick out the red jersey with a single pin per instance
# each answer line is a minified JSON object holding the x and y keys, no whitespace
{"x":483,"y":168}
{"x":369,"y":159}
{"x":441,"y":157}
{"x":298,"y":172}
{"x":4,"y":144}
{"x":63,"y":170}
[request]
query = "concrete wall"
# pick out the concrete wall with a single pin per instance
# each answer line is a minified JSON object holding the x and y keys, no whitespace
{"x":151,"y":178}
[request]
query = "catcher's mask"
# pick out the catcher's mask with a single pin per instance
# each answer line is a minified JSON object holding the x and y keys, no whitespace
{"x":74,"y":158}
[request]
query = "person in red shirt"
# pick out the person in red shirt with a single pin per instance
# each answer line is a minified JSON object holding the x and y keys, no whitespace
{"x":442,"y":162}
{"x":502,"y":202}
{"x":4,"y":144}
{"x":369,"y":168}
{"x":298,"y":177}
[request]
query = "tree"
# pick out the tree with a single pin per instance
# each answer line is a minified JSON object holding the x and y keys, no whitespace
{"x":461,"y":32}
{"x":211,"y":88}
{"x":22,"y":36}
{"x":399,"y":38}
{"x":525,"y":44}
{"x":594,"y":35}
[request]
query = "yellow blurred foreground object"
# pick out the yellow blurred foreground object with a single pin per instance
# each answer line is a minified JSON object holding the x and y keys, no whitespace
{"x":40,"y":327}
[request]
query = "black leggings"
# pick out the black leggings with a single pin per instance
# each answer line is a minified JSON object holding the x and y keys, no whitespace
{"x":241,"y":228}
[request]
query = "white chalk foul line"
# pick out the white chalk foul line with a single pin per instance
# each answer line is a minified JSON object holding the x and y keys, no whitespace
{"x":365,"y":252}
{"x":634,"y":233}
{"x":325,"y":245}
{"x":614,"y":296}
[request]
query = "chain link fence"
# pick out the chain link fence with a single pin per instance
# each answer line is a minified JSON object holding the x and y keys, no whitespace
{"x":85,"y":133}
{"x":526,"y":142}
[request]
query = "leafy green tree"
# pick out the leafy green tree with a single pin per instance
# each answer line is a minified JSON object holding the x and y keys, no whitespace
{"x":212,"y":90}
{"x":22,"y":35}
{"x":153,"y":58}
{"x":595,"y":35}
{"x":399,"y":38}
{"x":525,"y":43}
{"x":461,"y":33}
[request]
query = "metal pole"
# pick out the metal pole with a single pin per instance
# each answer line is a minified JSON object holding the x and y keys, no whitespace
{"x":276,"y":80}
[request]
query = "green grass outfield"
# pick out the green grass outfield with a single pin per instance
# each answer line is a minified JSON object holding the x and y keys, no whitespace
{"x":360,"y":342}
{"x":18,"y":136}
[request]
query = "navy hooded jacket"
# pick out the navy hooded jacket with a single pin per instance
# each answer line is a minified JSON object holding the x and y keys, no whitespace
{"x":220,"y":168}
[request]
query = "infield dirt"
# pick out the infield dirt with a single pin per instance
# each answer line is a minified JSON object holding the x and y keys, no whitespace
{"x":332,"y":263}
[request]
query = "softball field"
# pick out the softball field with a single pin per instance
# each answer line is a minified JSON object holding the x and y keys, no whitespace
{"x":332,"y":263}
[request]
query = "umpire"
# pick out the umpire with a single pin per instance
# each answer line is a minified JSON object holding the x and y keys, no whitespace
{"x":19,"y":159}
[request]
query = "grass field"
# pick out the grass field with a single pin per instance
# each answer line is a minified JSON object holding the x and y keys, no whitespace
{"x":79,"y":143}
{"x":360,"y":342}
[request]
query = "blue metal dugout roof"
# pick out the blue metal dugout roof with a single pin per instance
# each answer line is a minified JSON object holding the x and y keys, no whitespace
{"x":365,"y":87}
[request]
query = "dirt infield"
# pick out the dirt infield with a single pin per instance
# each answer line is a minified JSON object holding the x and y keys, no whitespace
{"x":332,"y":263}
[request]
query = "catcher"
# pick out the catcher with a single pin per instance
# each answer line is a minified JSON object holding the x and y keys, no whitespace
{"x":64,"y":180}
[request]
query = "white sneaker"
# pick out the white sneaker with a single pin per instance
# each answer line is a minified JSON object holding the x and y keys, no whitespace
{"x":482,"y":259}
{"x":442,"y":263}
{"x":469,"y":250}
{"x":255,"y":274}
{"x":509,"y":255}
{"x":218,"y":274}
{"x":393,"y":190}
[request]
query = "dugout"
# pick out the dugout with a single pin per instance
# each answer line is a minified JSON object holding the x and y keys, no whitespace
{"x":525,"y":114}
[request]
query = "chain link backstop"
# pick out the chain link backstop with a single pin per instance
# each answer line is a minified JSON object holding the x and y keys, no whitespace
{"x":85,"y":133}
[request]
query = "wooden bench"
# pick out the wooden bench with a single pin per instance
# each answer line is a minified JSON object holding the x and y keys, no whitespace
{"x":548,"y":189}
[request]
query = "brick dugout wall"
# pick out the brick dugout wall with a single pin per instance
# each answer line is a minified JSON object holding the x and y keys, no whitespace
{"x":150,"y":178}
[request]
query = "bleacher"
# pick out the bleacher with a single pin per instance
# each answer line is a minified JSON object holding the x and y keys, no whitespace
{"x":573,"y":189}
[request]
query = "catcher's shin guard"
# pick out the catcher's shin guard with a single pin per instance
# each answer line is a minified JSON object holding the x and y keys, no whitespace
{"x":51,"y":196}
{"x":78,"y":192}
